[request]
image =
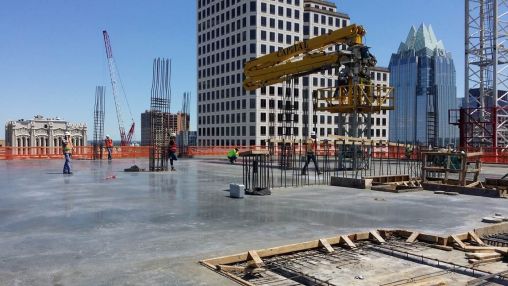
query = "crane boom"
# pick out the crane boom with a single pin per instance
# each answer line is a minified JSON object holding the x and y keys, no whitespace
{"x":125,"y":140}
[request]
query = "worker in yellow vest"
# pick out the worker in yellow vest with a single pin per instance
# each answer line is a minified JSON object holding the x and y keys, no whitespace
{"x":67,"y":151}
{"x":233,"y":155}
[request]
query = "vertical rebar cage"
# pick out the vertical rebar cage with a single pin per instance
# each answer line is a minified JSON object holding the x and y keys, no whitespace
{"x":160,"y":102}
{"x":98,"y":122}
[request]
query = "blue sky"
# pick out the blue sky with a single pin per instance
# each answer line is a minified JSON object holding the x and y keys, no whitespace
{"x":52,"y":53}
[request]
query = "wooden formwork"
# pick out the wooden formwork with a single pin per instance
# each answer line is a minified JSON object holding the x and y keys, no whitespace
{"x":468,"y":242}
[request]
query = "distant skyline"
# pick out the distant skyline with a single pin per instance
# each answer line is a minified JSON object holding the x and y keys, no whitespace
{"x":52,"y":52}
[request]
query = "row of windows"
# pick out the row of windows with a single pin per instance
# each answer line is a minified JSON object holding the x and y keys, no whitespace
{"x":225,"y":29}
{"x":226,"y":142}
{"x":223,"y":56}
{"x":227,"y":131}
{"x":227,"y":105}
{"x":330,"y":21}
{"x":280,"y":11}
{"x":226,"y":3}
{"x":378,"y":75}
{"x":270,"y":22}
{"x":271,"y":131}
{"x":280,"y":117}
{"x":209,"y":11}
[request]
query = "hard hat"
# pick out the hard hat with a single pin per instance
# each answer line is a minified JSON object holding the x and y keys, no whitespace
{"x":172,"y":134}
{"x":107,"y":136}
{"x":67,"y":133}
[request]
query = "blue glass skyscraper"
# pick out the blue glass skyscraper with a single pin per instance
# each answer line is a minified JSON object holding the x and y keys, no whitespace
{"x":423,"y":76}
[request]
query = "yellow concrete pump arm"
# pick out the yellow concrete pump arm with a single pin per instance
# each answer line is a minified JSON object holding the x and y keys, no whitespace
{"x":308,"y":57}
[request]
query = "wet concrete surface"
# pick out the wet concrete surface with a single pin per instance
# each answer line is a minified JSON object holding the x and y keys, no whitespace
{"x":153,"y":228}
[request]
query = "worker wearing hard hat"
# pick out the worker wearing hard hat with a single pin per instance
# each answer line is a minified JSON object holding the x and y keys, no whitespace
{"x":310,"y":150}
{"x":67,"y":151}
{"x":233,"y":155}
{"x":108,"y":143}
{"x":172,"y":150}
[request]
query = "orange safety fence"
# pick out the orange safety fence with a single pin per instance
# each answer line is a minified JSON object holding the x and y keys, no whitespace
{"x":492,"y":155}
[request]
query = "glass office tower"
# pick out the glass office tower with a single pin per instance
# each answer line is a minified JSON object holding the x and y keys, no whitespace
{"x":423,"y":77}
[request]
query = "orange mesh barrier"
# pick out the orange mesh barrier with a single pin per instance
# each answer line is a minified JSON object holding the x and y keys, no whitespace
{"x":493,"y":155}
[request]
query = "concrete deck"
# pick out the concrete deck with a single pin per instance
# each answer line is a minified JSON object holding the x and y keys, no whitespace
{"x":151,"y":229}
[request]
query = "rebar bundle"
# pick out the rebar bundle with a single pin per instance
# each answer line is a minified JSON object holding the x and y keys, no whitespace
{"x":98,"y":122}
{"x":160,"y":102}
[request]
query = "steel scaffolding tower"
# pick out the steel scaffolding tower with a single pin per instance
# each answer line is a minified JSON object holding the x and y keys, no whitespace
{"x":160,"y":102}
{"x":486,"y":74}
{"x":98,"y":122}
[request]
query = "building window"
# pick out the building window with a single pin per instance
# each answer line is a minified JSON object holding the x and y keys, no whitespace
{"x":272,"y":9}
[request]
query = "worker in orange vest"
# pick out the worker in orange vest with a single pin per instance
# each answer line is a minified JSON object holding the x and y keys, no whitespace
{"x":108,"y":143}
{"x":172,"y":150}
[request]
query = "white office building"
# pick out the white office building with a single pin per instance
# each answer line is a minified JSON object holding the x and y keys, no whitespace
{"x":231,"y":32}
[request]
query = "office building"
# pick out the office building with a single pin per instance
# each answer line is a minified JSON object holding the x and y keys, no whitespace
{"x":422,"y":73}
{"x":231,"y":32}
{"x":177,"y":123}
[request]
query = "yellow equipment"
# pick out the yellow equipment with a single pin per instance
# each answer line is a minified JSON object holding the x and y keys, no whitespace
{"x":354,"y":93}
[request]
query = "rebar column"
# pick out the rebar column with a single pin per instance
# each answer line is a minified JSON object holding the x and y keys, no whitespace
{"x":160,"y":102}
{"x":98,"y":122}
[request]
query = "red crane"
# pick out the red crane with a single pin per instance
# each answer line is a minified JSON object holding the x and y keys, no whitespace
{"x":113,"y":73}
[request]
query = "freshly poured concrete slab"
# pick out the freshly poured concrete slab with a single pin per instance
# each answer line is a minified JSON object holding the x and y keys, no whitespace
{"x":152,"y":228}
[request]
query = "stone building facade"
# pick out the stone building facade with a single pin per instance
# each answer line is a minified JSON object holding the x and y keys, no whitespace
{"x":43,"y":132}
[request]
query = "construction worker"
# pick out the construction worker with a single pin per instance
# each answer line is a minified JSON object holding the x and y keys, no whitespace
{"x":172,"y":150}
{"x":409,"y":151}
{"x":233,"y":155}
{"x":108,"y":143}
{"x":310,"y":153}
{"x":67,"y":151}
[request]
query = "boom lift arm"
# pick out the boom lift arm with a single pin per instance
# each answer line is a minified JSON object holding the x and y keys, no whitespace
{"x":309,"y":56}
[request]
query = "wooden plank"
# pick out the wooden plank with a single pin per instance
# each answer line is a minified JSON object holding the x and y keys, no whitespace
{"x":492,"y":229}
{"x":412,"y":238}
{"x":254,"y":259}
{"x":473,"y":184}
{"x":458,"y":241}
{"x":473,"y":236}
{"x":229,"y":268}
{"x":349,"y":243}
{"x":477,"y":261}
{"x":374,"y":234}
{"x":324,"y":243}
{"x":483,"y":255}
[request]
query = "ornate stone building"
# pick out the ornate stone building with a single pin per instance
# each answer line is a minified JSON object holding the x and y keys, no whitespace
{"x":43,"y":132}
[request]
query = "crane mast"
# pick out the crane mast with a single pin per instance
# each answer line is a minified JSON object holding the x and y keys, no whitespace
{"x":125,"y":138}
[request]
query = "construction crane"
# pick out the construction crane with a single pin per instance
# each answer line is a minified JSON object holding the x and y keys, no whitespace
{"x":354,"y":94}
{"x":114,"y":75}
